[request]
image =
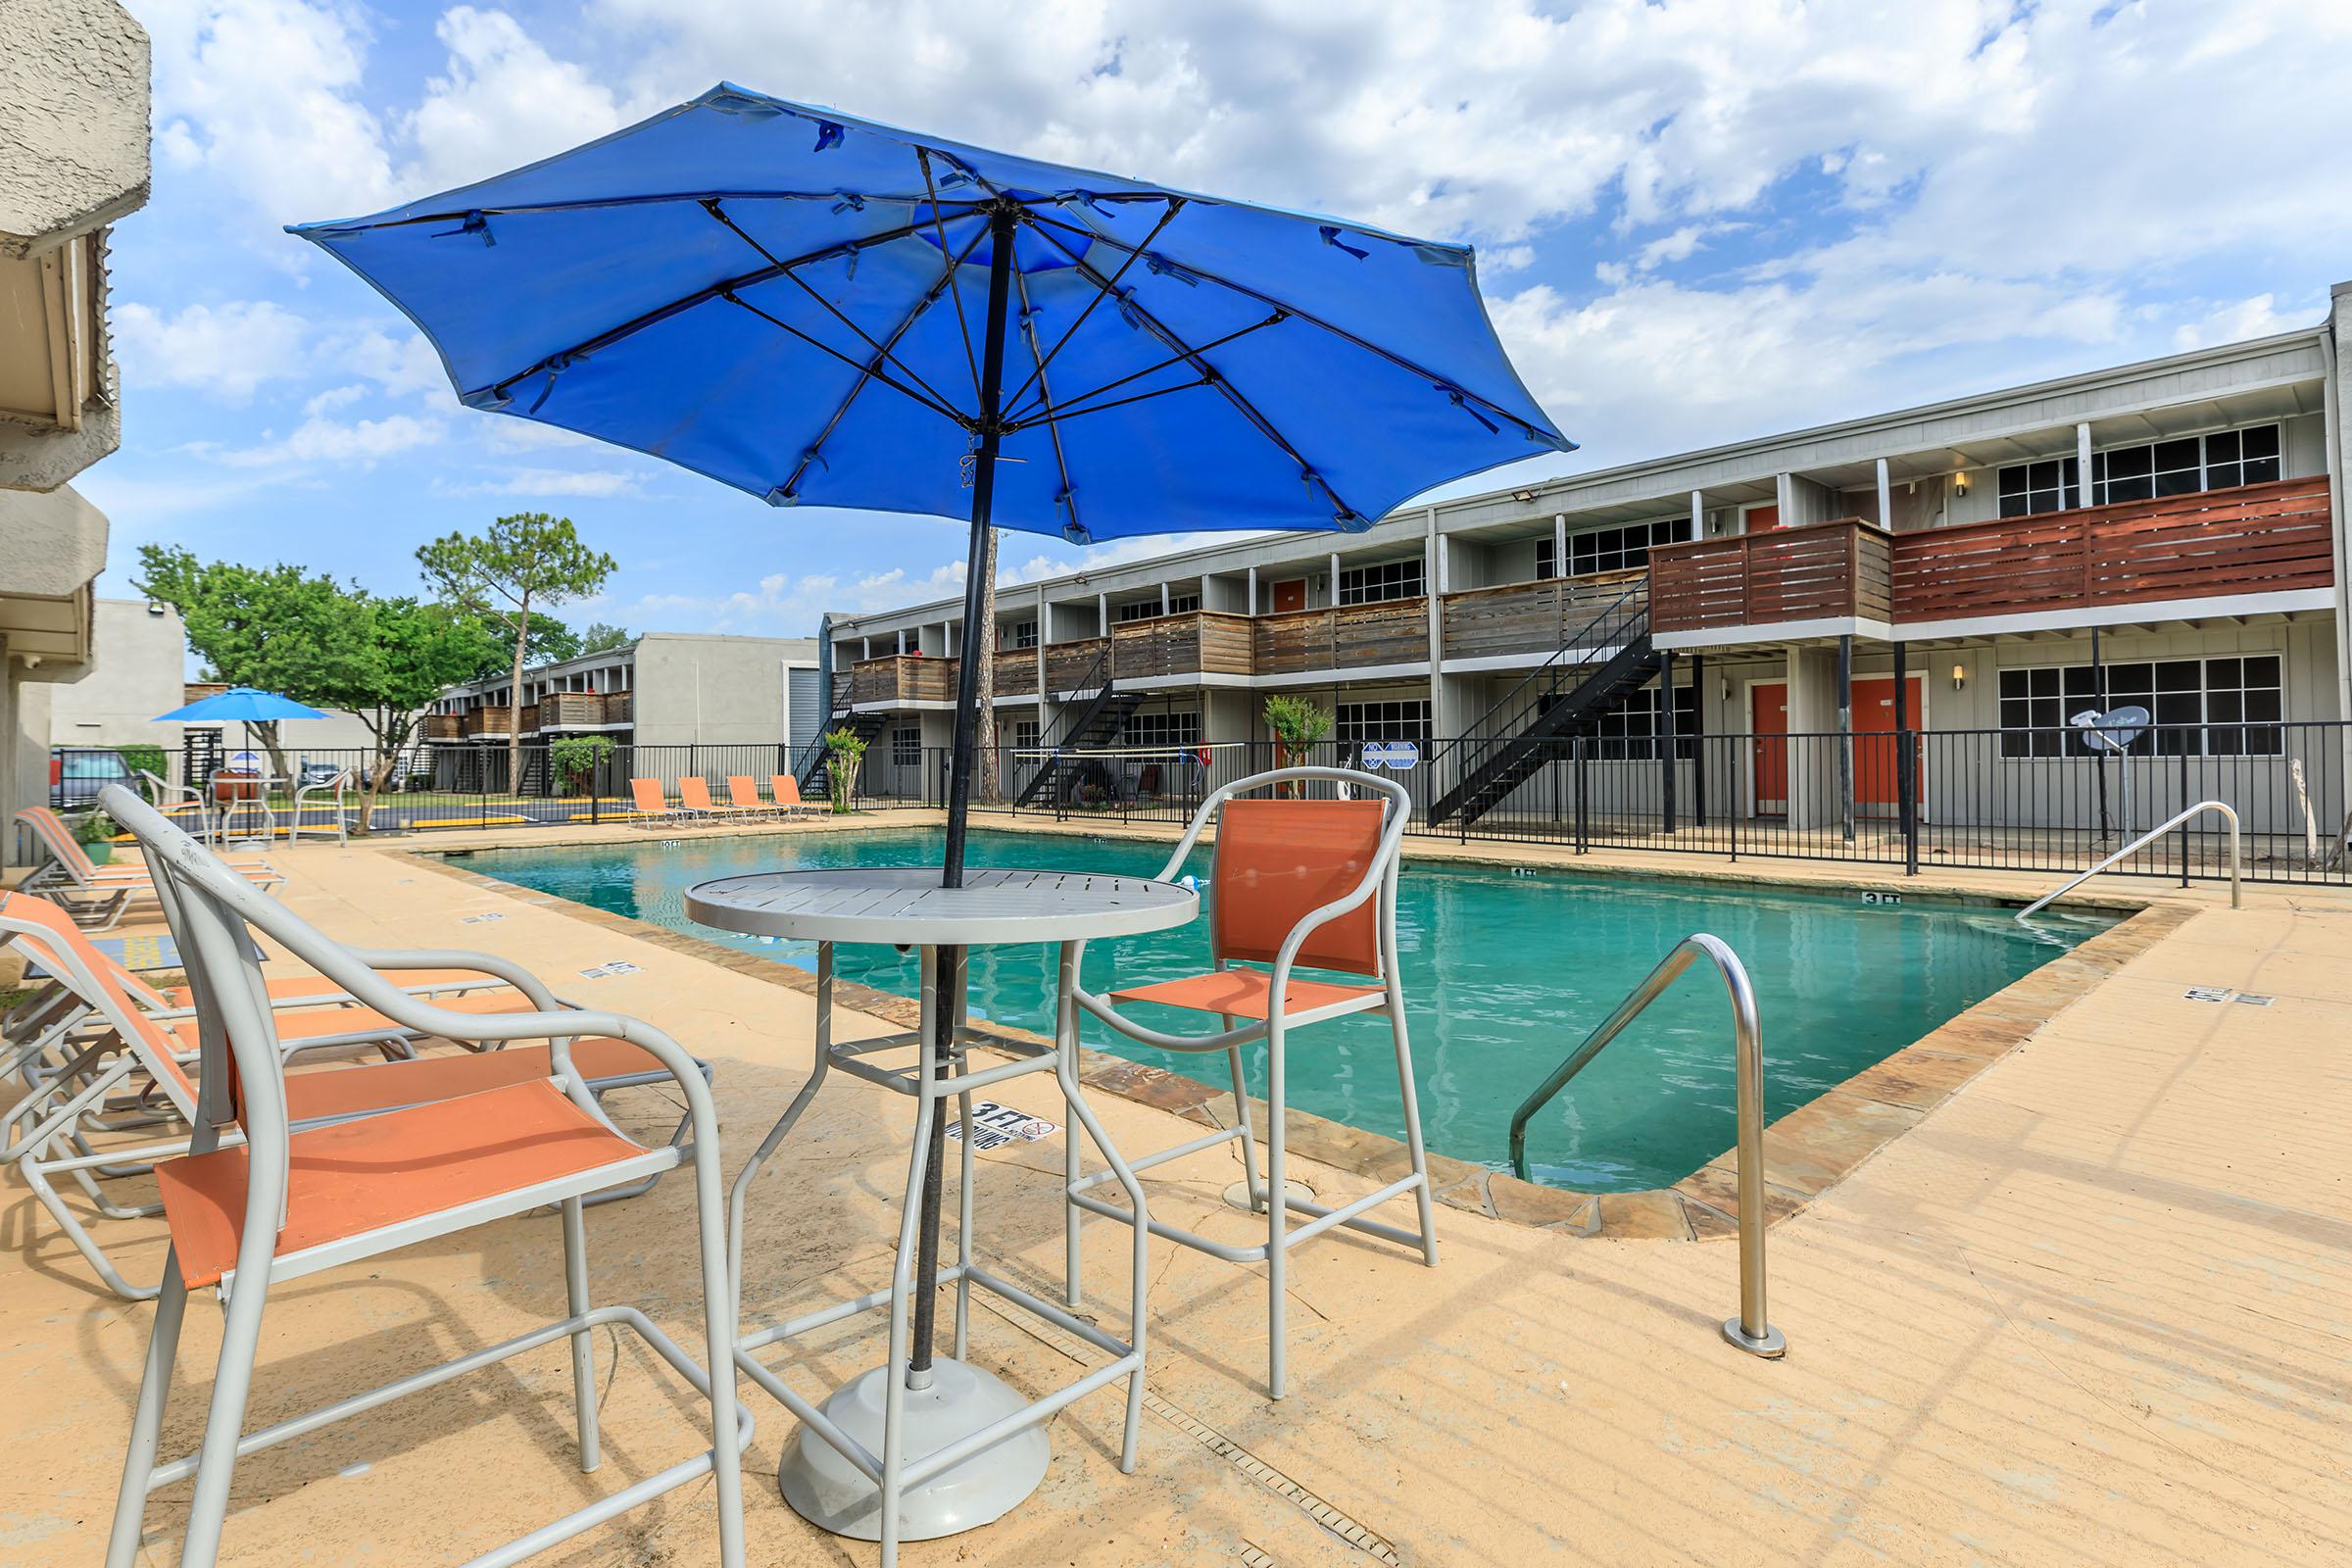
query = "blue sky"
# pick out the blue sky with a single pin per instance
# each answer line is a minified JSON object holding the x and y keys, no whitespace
{"x":1698,"y":220}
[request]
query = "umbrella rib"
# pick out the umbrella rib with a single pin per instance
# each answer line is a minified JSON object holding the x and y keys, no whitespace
{"x":1061,"y":460}
{"x":869,"y":371}
{"x":1246,"y":408}
{"x":604,"y":204}
{"x":792,"y":276}
{"x":1175,"y":206}
{"x":1312,"y":320}
{"x":1051,"y":410}
{"x":686,"y":302}
{"x":792,"y":484}
{"x":964,"y":322}
{"x":1058,"y":416}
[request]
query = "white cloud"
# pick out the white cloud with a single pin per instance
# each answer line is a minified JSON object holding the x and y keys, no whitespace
{"x":596,"y":482}
{"x":2259,"y":316}
{"x":264,"y":95}
{"x":358,"y":443}
{"x":225,"y":352}
{"x":333,"y":398}
{"x":503,"y":101}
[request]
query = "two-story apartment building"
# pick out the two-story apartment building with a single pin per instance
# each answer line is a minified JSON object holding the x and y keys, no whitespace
{"x":665,"y":689}
{"x":2164,"y":536}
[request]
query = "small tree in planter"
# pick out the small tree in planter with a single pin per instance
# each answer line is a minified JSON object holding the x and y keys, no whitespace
{"x":1297,"y":725}
{"x":95,"y":833}
{"x":844,"y":754}
{"x":576,"y":757}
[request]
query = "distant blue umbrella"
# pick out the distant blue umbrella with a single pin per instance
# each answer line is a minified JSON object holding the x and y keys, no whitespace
{"x":247,"y":704}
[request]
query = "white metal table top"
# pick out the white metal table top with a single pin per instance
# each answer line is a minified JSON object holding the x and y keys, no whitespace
{"x":905,"y":905}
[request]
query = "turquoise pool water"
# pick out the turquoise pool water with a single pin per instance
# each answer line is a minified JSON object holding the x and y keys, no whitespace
{"x":1504,"y":974}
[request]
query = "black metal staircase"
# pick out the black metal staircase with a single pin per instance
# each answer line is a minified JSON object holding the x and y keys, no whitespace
{"x":816,"y":766}
{"x":1606,"y":662}
{"x":1095,"y":717}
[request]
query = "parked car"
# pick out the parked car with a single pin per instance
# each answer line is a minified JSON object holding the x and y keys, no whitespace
{"x":77,"y":773}
{"x":318,"y":773}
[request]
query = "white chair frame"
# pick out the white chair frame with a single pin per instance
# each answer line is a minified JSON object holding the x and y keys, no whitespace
{"x":1272,"y":1196}
{"x":214,"y":908}
{"x":345,"y":780}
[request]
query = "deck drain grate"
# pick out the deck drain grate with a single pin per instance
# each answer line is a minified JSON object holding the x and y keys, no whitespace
{"x":2225,"y":993}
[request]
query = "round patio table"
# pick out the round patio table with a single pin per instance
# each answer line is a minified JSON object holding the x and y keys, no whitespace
{"x":940,"y":1446}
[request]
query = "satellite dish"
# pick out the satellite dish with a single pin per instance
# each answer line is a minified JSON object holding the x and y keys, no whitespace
{"x":2116,"y":730}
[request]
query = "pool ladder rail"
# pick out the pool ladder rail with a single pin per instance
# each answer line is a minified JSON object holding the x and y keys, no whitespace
{"x":2142,"y":843}
{"x":1749,"y":1331}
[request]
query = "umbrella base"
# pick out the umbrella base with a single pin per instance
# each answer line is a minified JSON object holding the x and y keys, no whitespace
{"x":823,"y":1487}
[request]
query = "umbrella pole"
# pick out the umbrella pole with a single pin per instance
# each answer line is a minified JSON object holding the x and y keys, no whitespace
{"x":948,"y":1009}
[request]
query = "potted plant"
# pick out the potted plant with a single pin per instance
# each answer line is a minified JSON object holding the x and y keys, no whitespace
{"x":95,"y":833}
{"x":845,"y":753}
{"x":1297,"y":726}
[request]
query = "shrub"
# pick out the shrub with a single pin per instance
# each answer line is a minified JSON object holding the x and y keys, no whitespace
{"x":845,"y":753}
{"x":576,"y":757}
{"x":144,"y":759}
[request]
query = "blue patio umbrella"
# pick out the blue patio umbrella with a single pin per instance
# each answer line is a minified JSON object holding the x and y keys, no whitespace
{"x":247,"y":704}
{"x":823,"y":311}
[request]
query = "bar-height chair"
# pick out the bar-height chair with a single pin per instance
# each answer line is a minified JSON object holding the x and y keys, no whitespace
{"x":289,"y":1202}
{"x":1297,"y":883}
{"x":338,"y":822}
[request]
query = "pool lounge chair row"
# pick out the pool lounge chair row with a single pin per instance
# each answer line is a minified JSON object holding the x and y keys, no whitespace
{"x":96,"y":895}
{"x":650,"y":808}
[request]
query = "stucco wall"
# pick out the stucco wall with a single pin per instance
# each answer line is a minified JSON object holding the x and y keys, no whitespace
{"x":712,"y":690}
{"x":72,"y":119}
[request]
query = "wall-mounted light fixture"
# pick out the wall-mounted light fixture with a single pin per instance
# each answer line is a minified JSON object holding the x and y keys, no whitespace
{"x":1526,"y":497}
{"x":1960,"y":483}
{"x":1959,"y":676}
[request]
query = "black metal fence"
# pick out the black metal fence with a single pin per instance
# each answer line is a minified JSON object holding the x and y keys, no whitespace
{"x":2020,"y":800}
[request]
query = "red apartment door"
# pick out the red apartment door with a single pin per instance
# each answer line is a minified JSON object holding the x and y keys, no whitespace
{"x":1875,"y":747}
{"x":1762,"y":520}
{"x":1289,"y":594}
{"x":1768,"y":723}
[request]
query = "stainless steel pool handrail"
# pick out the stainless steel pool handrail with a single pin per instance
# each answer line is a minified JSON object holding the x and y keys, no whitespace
{"x":1749,"y":1331}
{"x":2140,"y":843}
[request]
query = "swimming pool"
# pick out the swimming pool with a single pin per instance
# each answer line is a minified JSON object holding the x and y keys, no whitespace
{"x":1504,"y":974}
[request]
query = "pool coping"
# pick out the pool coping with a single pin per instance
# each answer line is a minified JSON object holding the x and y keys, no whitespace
{"x":1806,"y":1152}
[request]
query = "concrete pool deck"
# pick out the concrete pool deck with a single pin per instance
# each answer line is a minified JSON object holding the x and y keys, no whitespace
{"x":2093,"y":1306}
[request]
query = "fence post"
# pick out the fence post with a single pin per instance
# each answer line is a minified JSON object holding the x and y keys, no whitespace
{"x":2183,"y":806}
{"x":1741,"y":754}
{"x":1583,"y":821}
{"x":1906,"y":790}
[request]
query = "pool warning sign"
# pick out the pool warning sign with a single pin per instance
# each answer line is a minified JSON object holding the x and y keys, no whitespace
{"x":994,"y":1126}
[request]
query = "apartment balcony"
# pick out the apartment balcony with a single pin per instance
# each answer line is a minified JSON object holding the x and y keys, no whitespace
{"x":570,"y":710}
{"x":494,"y":722}
{"x":1510,"y":624}
{"x":899,"y":680}
{"x":1311,"y":641}
{"x":2216,"y":549}
{"x":444,"y":726}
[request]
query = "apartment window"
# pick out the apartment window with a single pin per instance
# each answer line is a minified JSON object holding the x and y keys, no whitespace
{"x":1148,"y":609}
{"x":2200,"y":707}
{"x":1018,"y":634}
{"x":2027,"y":488}
{"x":1161,"y":729}
{"x":2182,"y":466}
{"x":1376,"y":585}
{"x":1024,"y":734}
{"x":1608,"y":549}
{"x":1629,"y":732}
{"x":906,"y":747}
{"x":1401,"y":720}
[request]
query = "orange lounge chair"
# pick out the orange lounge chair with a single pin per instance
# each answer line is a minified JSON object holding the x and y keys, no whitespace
{"x":694,"y":793}
{"x":743,"y":795}
{"x":787,"y":791}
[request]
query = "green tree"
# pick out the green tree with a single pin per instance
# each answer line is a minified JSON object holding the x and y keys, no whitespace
{"x":275,"y":627}
{"x":499,"y":573}
{"x":407,"y":653}
{"x":602,"y":635}
{"x":845,"y":753}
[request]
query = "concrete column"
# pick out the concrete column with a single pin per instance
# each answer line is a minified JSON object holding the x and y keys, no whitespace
{"x":1335,"y":577}
{"x":1559,"y":544}
{"x":1433,"y":573}
{"x":1042,"y":632}
{"x":1252,"y":610}
{"x":1102,"y":615}
{"x":1886,"y":499}
{"x":1165,"y":599}
{"x":2083,"y":486}
{"x":1698,"y":515}
{"x":1784,"y":495}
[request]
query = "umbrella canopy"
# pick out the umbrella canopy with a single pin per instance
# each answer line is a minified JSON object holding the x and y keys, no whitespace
{"x":248,"y":705}
{"x":762,"y":291}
